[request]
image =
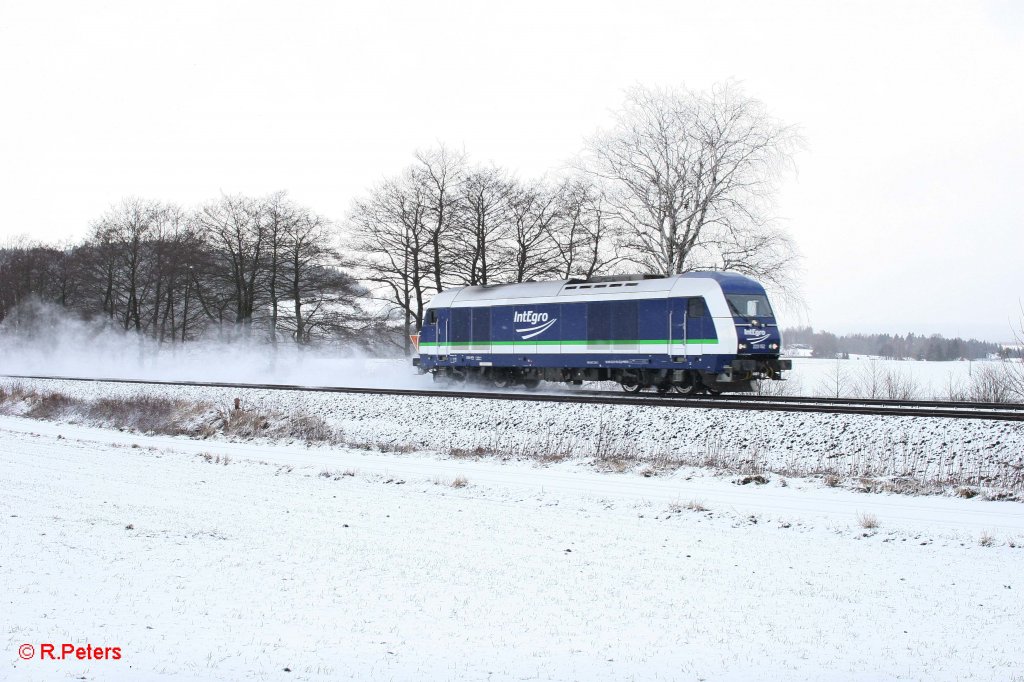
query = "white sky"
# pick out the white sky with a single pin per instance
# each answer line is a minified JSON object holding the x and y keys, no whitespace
{"x":906,"y":207}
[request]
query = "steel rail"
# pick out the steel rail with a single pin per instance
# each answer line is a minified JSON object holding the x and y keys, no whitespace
{"x":951,"y":410}
{"x":965,"y":404}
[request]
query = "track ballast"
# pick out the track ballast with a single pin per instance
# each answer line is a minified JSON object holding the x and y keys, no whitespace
{"x":902,"y":408}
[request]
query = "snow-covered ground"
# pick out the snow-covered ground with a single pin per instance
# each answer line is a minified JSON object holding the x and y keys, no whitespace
{"x":929,"y":450}
{"x":926,"y":380}
{"x":280,"y":560}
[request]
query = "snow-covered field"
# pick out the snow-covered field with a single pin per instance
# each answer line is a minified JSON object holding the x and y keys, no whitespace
{"x":855,"y":377}
{"x":282,"y":560}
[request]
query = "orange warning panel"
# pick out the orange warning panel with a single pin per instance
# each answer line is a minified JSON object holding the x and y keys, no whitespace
{"x":415,"y":338}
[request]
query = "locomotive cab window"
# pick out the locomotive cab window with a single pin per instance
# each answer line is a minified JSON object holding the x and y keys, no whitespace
{"x":749,"y":305}
{"x":431,"y":316}
{"x":696,"y":307}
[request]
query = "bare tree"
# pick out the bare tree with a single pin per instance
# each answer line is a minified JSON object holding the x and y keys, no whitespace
{"x":66,"y":276}
{"x":692,"y":176}
{"x":391,"y":233}
{"x":581,"y":235}
{"x":315,"y":286}
{"x":873,"y":380}
{"x":900,"y":385}
{"x":484,"y":227}
{"x":869,"y":380}
{"x":100,"y":259}
{"x":125,"y":234}
{"x":175,"y":251}
{"x":765,"y":252}
{"x":235,"y":228}
{"x":1016,"y":365}
{"x":993,"y":382}
{"x":136,"y":264}
{"x":281,"y":219}
{"x":440,"y":173}
{"x":29,"y":270}
{"x":532,"y":210}
{"x":835,"y":382}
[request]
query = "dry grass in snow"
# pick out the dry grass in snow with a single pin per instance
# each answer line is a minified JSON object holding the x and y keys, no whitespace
{"x":904,"y":465}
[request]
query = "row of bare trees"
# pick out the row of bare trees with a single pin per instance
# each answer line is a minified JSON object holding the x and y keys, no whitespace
{"x":683,"y":181}
{"x":443,"y":222}
{"x":256,"y":266}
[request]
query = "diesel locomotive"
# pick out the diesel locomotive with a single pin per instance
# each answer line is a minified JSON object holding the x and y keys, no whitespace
{"x":698,"y":332}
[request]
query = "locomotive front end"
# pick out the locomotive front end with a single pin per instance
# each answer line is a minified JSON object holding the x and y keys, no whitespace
{"x":759,"y":341}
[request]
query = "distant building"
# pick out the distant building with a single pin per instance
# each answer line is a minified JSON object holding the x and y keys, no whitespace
{"x":798,"y":350}
{"x":1011,"y":351}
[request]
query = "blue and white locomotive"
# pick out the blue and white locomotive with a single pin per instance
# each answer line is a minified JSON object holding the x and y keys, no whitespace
{"x":690,"y":333}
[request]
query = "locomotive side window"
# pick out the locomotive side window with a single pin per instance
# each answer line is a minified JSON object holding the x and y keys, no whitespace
{"x":460,"y":326}
{"x":599,"y":321}
{"x":431,"y":316}
{"x":696,"y":307}
{"x":482,"y":325}
{"x":624,"y":320}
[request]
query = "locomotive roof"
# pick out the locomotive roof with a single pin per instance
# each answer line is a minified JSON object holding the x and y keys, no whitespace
{"x":731,"y":281}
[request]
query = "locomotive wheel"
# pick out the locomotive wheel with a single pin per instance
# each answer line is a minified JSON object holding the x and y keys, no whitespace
{"x":501,"y":380}
{"x":632,"y":386}
{"x":531,"y":383}
{"x":688,"y":386}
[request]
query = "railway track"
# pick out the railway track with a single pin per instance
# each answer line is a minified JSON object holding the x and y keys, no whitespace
{"x":903,"y":408}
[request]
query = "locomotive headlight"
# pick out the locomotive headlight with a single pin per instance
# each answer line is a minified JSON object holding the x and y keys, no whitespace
{"x":743,"y":346}
{"x":774,"y":346}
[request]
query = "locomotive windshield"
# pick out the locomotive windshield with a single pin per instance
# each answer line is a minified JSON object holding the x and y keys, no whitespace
{"x":749,"y":305}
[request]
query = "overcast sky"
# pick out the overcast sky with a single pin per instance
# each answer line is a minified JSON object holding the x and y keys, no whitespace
{"x":906,"y":207}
